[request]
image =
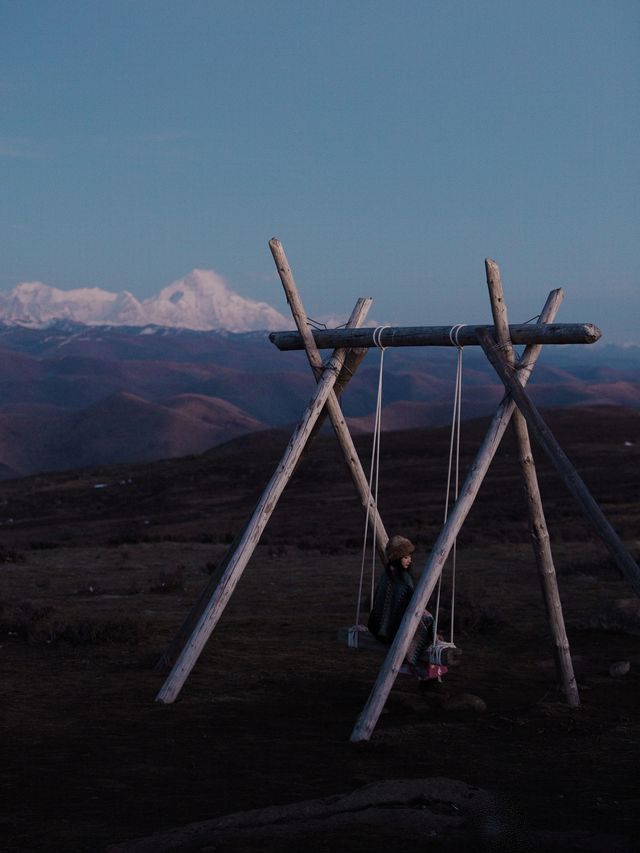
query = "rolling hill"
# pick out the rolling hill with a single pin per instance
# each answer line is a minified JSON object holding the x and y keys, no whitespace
{"x":73,"y":395}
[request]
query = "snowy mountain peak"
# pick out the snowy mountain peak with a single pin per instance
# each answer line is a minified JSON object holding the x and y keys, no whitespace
{"x":33,"y":302}
{"x":201,"y":301}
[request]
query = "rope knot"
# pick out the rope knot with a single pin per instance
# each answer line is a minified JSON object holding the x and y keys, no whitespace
{"x":377,"y":337}
{"x":454,"y":331}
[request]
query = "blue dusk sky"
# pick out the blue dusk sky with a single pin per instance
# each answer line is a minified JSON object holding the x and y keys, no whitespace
{"x":391,"y":146}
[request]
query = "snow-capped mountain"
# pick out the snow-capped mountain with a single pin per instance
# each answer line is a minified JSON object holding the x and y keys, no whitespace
{"x":201,"y":301}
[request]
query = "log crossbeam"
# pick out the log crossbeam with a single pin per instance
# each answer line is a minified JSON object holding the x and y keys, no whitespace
{"x":438,"y":336}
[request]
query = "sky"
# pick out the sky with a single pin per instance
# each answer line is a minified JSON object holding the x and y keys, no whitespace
{"x":390,"y":146}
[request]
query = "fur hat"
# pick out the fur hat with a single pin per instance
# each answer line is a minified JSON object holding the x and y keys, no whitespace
{"x":398,"y":547}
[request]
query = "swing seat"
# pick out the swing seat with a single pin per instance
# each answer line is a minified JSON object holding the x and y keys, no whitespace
{"x":441,"y":655}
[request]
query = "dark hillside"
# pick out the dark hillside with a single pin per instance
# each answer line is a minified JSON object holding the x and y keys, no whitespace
{"x":98,"y":567}
{"x":55,"y":378}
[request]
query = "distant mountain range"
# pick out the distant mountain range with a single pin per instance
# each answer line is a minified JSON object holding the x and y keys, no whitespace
{"x":200,"y":300}
{"x":75,"y":395}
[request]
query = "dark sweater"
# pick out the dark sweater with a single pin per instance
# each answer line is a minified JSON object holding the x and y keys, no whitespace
{"x":391,"y":599}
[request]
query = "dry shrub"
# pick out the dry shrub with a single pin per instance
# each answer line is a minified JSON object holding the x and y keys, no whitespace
{"x":22,"y":620}
{"x":127,"y":537}
{"x":169,"y":581}
{"x":91,"y":588}
{"x":103,"y":629}
{"x":35,"y":624}
{"x":8,"y":555}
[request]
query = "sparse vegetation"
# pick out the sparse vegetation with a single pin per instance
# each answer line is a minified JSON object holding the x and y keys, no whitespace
{"x":168,"y":581}
{"x":11,"y":556}
{"x":265,"y":717}
{"x":38,"y":625}
{"x":42,"y":545}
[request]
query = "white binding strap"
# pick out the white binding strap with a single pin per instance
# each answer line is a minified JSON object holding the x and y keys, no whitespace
{"x":377,"y":337}
{"x":454,"y":331}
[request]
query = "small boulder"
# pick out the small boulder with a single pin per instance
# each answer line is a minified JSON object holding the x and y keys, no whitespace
{"x":465,"y":702}
{"x":619,"y":668}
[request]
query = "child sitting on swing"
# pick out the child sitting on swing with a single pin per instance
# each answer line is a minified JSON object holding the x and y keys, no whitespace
{"x":392,"y":596}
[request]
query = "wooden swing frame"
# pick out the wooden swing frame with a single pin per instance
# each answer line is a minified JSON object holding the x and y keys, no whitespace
{"x":350,"y":346}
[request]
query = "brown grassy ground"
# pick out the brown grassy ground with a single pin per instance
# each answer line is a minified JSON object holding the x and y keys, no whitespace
{"x":99,"y":568}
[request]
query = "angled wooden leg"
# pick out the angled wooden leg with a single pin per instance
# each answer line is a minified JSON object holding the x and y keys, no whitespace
{"x":537,"y":522}
{"x":433,"y":568}
{"x":563,"y":466}
{"x":211,"y":612}
{"x":333,"y":407}
{"x":350,"y":360}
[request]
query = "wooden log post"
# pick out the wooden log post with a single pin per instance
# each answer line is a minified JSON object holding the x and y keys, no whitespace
{"x":438,"y":336}
{"x":352,"y":360}
{"x":433,"y":568}
{"x":563,"y":466}
{"x":333,"y":407}
{"x":211,"y":613}
{"x":537,"y":522}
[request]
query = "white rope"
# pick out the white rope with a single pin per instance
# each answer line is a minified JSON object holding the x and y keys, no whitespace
{"x":377,"y":339}
{"x":454,"y":445}
{"x":454,"y":331}
{"x":373,"y":482}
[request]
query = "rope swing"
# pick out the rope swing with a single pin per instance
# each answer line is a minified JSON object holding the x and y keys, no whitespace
{"x":355,"y":633}
{"x":453,"y":473}
{"x":374,"y":475}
